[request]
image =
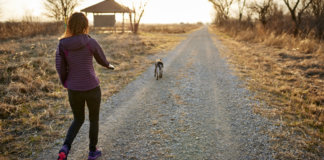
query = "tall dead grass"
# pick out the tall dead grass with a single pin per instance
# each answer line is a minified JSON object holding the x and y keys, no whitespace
{"x":12,"y":29}
{"x":256,"y":32}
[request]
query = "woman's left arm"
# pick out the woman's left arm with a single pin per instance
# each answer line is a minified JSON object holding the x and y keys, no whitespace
{"x":61,"y":64}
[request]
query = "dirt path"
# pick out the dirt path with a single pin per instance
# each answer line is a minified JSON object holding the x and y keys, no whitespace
{"x":196,"y":111}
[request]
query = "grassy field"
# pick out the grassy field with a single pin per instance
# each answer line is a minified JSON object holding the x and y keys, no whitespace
{"x":34,"y":109}
{"x":287,"y":73}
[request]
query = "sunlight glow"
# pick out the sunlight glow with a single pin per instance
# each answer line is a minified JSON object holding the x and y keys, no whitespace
{"x":157,"y":11}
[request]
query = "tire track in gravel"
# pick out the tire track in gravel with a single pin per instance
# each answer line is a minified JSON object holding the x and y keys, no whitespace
{"x":196,"y":111}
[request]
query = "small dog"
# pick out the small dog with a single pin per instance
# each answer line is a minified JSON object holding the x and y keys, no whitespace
{"x":158,"y":69}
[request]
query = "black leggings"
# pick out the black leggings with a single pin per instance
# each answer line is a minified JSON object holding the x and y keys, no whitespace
{"x":77,"y":102}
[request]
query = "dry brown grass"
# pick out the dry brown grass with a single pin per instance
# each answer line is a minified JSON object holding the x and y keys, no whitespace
{"x":259,"y":33}
{"x":288,"y":74}
{"x":152,"y":28}
{"x":169,"y":28}
{"x":29,"y":28}
{"x":34,"y":109}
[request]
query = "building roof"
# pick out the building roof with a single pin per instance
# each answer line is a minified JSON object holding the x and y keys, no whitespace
{"x":107,"y":6}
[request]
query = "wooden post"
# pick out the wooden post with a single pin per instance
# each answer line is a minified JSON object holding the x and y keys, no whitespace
{"x":115,"y":23}
{"x":123,"y":30}
{"x":94,"y":27}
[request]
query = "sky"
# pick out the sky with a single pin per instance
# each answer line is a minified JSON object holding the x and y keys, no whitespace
{"x":157,"y":11}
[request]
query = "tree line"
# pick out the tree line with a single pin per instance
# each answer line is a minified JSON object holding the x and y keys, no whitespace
{"x":301,"y":17}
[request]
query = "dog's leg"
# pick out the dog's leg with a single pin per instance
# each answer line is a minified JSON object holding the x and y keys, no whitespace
{"x":160,"y":71}
{"x":155,"y":71}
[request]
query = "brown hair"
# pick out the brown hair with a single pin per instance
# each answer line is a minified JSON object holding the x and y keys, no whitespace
{"x":77,"y":24}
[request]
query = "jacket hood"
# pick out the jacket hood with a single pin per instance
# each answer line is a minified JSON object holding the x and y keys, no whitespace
{"x":75,"y":42}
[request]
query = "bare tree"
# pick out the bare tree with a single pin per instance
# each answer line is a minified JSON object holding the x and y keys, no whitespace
{"x":136,"y":13}
{"x":263,"y":9}
{"x":317,"y":7}
{"x":317,"y":10}
{"x":296,"y":9}
{"x":60,"y":9}
{"x":241,"y":6}
{"x":222,"y":8}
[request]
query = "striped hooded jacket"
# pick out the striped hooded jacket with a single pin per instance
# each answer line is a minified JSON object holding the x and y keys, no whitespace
{"x":74,"y":56}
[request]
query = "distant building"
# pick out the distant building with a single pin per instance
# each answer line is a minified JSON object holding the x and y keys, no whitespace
{"x":104,"y":13}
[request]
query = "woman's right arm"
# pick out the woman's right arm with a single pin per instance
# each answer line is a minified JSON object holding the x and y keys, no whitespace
{"x":61,"y":64}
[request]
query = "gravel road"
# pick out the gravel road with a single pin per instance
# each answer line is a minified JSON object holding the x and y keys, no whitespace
{"x":196,"y":111}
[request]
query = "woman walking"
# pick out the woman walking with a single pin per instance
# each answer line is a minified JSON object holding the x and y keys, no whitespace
{"x":74,"y":65}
